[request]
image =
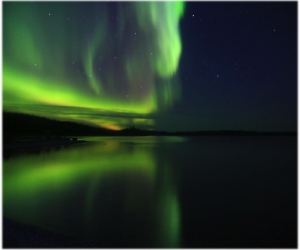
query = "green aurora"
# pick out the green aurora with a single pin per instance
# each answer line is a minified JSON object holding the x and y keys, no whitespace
{"x":106,"y":64}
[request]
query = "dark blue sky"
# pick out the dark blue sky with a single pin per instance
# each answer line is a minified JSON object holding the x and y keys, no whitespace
{"x":238,"y":67}
{"x":108,"y":64}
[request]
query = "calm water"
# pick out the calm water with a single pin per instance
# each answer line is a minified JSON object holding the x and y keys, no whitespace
{"x":160,"y":191}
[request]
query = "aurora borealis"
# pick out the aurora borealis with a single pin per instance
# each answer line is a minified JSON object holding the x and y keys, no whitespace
{"x":107,"y":64}
{"x":173,"y":66}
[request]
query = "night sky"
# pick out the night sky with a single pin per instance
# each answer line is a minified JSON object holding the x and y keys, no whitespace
{"x":156,"y":65}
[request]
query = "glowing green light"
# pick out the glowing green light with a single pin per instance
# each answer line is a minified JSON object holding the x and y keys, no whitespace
{"x":34,"y":185}
{"x":49,"y":60}
{"x":168,"y":204}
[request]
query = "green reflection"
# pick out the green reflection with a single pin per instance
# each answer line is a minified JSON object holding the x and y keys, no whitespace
{"x":84,"y":189}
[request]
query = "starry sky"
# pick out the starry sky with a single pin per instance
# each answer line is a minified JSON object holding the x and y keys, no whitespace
{"x":170,"y":66}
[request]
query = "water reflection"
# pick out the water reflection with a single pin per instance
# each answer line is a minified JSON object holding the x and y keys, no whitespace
{"x":117,"y":193}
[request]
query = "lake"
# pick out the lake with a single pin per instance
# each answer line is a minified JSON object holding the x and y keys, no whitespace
{"x":160,"y":192}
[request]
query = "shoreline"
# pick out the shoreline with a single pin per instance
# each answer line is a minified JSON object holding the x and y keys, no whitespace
{"x":20,"y":235}
{"x":35,"y":144}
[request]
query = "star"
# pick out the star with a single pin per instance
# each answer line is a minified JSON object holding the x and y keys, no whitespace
{"x":217,"y":75}
{"x":193,"y":15}
{"x":49,"y":14}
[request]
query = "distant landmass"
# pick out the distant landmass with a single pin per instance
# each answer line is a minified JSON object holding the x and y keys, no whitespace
{"x":18,"y":124}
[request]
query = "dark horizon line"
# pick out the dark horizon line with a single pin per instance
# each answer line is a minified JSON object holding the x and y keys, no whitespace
{"x":209,"y":131}
{"x":13,"y":117}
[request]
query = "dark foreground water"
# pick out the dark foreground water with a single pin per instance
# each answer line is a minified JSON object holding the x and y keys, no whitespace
{"x":160,"y":191}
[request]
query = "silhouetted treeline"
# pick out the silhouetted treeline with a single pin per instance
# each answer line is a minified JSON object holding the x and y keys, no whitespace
{"x":233,"y":133}
{"x":23,"y":124}
{"x":137,"y":131}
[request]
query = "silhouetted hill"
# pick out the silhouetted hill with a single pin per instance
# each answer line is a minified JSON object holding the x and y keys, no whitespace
{"x":23,"y":124}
